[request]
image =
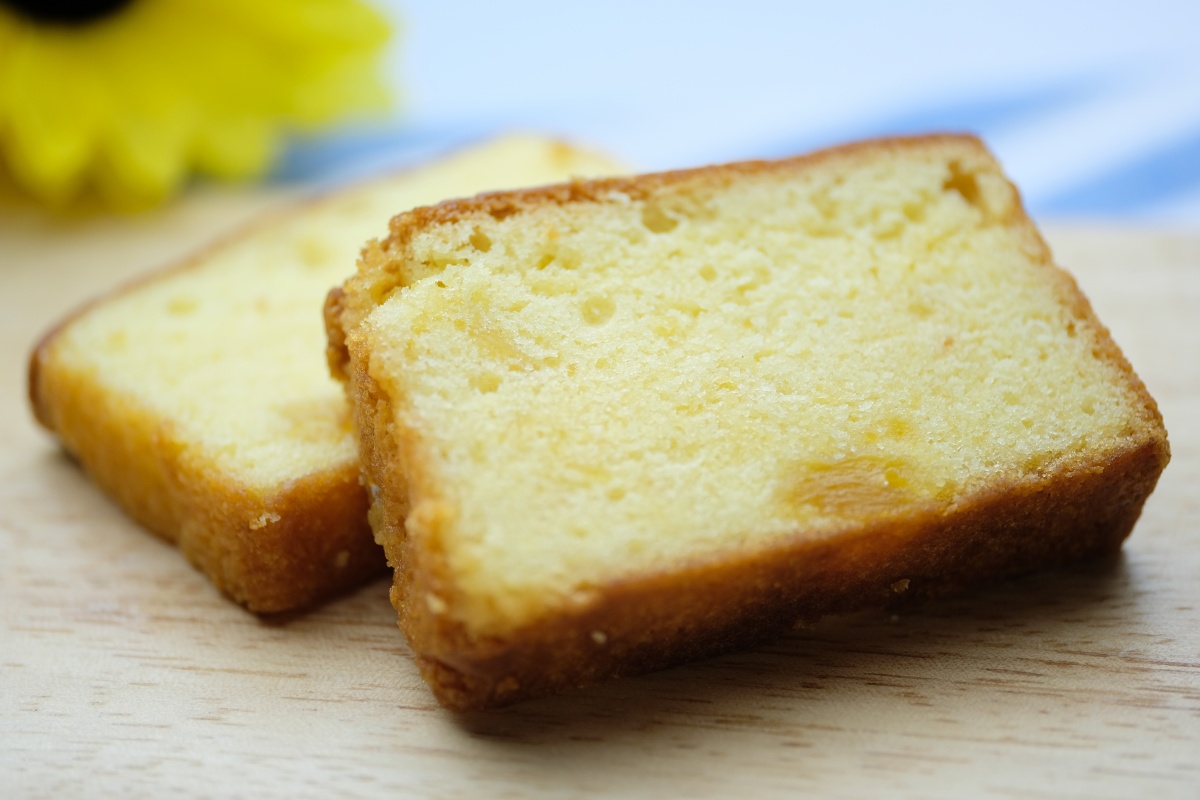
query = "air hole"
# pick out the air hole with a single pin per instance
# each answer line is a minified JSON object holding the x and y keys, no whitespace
{"x":569,"y":259}
{"x":656,"y":220}
{"x":708,"y":272}
{"x":895,"y":480}
{"x":920,"y":309}
{"x":480,"y":241}
{"x":485,"y":382}
{"x":502,"y":212}
{"x":598,"y":310}
{"x":181,"y":305}
{"x":899,"y":428}
{"x":1088,"y":406}
{"x":915,"y":212}
{"x":964,"y":183}
{"x":381,"y":290}
{"x":441,"y":262}
{"x":664,"y":329}
{"x":826,"y":206}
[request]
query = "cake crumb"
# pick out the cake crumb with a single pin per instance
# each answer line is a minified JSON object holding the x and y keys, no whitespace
{"x":264,"y":519}
{"x":599,"y":637}
{"x":342,"y":559}
{"x":900,"y":585}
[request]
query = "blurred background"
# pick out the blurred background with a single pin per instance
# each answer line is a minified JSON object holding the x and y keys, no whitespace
{"x":1093,"y":107}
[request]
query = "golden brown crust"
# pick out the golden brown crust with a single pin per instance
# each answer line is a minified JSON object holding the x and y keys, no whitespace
{"x":265,"y":569}
{"x":303,"y":545}
{"x":652,"y":622}
{"x":336,"y":354}
{"x":500,"y":205}
{"x":348,"y":305}
{"x":1087,"y":508}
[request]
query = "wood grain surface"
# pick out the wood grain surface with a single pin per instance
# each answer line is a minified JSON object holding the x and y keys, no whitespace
{"x":124,"y":673}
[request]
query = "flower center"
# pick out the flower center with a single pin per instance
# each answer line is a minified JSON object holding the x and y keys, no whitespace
{"x":66,"y":11}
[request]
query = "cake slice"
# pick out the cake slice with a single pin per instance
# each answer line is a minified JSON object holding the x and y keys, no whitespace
{"x":199,"y":398}
{"x":612,"y":425}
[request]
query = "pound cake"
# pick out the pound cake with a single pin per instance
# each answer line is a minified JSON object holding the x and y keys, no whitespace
{"x":612,"y":425}
{"x":200,"y":400}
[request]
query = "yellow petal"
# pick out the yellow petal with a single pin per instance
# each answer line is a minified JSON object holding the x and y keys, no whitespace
{"x":235,"y":148}
{"x":126,"y":107}
{"x":350,"y":86}
{"x":145,"y":148}
{"x":310,"y":26}
{"x":53,"y":109}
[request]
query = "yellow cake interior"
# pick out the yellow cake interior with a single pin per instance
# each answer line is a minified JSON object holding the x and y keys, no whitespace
{"x":226,"y":360}
{"x":602,"y":390}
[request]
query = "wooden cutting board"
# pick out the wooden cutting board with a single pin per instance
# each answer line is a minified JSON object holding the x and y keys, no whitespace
{"x":124,"y":673}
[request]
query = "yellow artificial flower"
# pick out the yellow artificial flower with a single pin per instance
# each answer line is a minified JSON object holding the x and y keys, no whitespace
{"x":122,"y":100}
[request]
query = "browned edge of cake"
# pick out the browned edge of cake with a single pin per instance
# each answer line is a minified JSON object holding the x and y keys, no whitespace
{"x":319,"y":547}
{"x":650,"y":621}
{"x":289,"y":565}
